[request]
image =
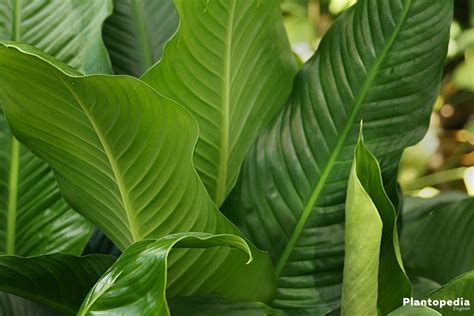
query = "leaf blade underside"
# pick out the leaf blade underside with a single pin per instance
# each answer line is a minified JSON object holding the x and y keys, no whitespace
{"x":120,"y":162}
{"x":231,"y":66}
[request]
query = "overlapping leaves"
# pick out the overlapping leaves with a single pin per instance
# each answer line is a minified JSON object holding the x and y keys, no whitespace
{"x":34,"y":219}
{"x":290,"y":196}
{"x":122,"y":155}
{"x":231,"y":66}
{"x":374,"y":277}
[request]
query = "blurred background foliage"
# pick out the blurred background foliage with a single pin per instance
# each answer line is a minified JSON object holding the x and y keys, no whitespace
{"x":444,"y":159}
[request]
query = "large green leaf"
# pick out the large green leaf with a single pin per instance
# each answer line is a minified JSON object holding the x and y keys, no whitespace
{"x":136,"y":283}
{"x":461,"y":287}
{"x":61,"y":281}
{"x":122,"y":155}
{"x":374,"y":278}
{"x":291,"y":193}
{"x":434,"y":234}
{"x":137,"y":31}
{"x":231,"y":66}
{"x":34,"y":219}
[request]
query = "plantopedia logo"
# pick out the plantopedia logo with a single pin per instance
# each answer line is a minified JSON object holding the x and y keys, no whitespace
{"x":459,"y":304}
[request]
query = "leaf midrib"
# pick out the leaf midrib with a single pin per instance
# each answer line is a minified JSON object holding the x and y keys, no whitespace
{"x":142,"y":38}
{"x":14,"y":156}
{"x":307,"y":210}
{"x":221,"y":189}
{"x":126,"y":203}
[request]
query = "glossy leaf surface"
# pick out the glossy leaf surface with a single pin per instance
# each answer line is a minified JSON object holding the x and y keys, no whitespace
{"x":136,"y":283}
{"x":34,"y":219}
{"x":434,"y":234}
{"x":122,"y":155}
{"x":231,"y":66}
{"x":61,"y":281}
{"x":374,"y":277}
{"x":137,"y":31}
{"x":370,"y":66}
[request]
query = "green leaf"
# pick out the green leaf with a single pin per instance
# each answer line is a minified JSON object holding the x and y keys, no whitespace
{"x":374,"y":277}
{"x":137,"y":31}
{"x":72,"y":31}
{"x":362,"y":242}
{"x":16,"y":306}
{"x":436,"y":233}
{"x":231,"y":66}
{"x":423,"y":286}
{"x":289,"y":200}
{"x":122,"y":155}
{"x":213,"y":306}
{"x":39,"y":220}
{"x":61,"y":281}
{"x":136,"y":283}
{"x":461,"y":287}
{"x":414,"y":311}
{"x":34,"y":219}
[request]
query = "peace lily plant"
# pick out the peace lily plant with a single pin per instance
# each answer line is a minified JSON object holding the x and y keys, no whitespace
{"x":232,"y":180}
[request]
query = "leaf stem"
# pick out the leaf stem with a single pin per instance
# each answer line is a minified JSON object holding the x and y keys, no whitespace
{"x":144,"y":44}
{"x":221,"y":189}
{"x":14,"y":156}
{"x":12,"y":196}
{"x":16,"y":21}
{"x":114,"y":166}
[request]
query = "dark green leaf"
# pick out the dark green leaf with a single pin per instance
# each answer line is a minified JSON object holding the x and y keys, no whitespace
{"x":423,"y":286}
{"x":380,"y":62}
{"x":460,"y":288}
{"x":434,"y":234}
{"x":11,"y":305}
{"x":136,"y":32}
{"x":61,"y":281}
{"x":231,"y":66}
{"x":99,"y":243}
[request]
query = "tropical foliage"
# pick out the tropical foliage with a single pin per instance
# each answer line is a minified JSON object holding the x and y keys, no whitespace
{"x":177,"y":158}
